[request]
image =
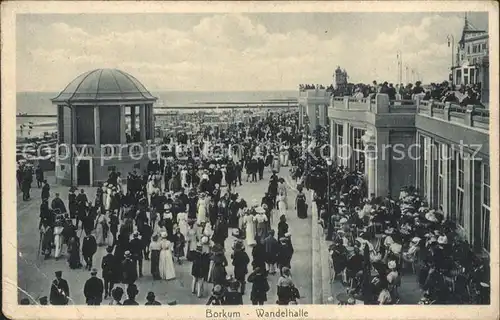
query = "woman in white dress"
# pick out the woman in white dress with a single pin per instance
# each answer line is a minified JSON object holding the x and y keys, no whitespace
{"x":150,"y":187}
{"x":103,"y":234}
{"x":109,"y":194}
{"x":223,"y":181}
{"x":182,"y":223}
{"x":184,"y":174}
{"x":58,"y":238}
{"x":282,"y":204}
{"x":191,"y":239}
{"x":282,"y":191}
{"x":167,"y":270}
{"x":202,"y":210}
{"x":249,"y":226}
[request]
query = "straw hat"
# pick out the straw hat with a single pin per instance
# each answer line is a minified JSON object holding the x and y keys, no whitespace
{"x":431,"y":216}
{"x":204,"y":240}
{"x":391,"y":264}
{"x":442,"y":240}
{"x":260,"y":210}
{"x":389,"y":231}
{"x":415,"y":240}
{"x":343,"y":220}
{"x":164,"y":235}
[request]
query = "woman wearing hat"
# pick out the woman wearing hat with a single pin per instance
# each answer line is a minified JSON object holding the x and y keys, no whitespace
{"x":191,"y":238}
{"x":261,"y":222}
{"x":179,"y":244}
{"x":217,"y":273}
{"x":393,"y":279}
{"x":285,"y":288}
{"x":217,"y":297}
{"x":301,"y":204}
{"x":202,"y":209}
{"x":166,"y":264}
{"x":249,"y":227}
{"x":58,"y":238}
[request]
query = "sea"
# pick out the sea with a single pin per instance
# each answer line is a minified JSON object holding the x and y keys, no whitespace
{"x":39,"y":103}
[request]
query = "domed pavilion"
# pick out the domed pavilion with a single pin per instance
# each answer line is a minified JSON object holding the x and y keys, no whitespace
{"x":105,"y":120}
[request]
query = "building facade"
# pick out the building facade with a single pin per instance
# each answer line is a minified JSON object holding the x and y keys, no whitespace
{"x":472,"y":59}
{"x":441,"y":149}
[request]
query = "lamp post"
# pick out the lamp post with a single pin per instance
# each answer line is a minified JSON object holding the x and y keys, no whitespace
{"x":407,"y":78}
{"x":399,"y":57}
{"x":451,"y":42}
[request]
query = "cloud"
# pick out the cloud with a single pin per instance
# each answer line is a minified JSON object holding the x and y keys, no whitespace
{"x":232,"y":52}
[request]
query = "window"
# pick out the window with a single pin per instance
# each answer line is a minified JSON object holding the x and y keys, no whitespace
{"x":427,"y":168}
{"x":460,"y":188}
{"x":340,"y":142}
{"x":468,"y":49}
{"x":441,"y":174}
{"x":485,"y":207}
{"x":485,"y":46}
{"x":358,"y":147}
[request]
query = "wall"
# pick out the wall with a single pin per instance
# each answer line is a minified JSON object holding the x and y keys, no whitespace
{"x":402,"y":168}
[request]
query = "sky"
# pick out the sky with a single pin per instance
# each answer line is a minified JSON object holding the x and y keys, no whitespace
{"x":233,"y":51}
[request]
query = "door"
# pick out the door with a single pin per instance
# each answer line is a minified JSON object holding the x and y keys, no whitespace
{"x":83,"y":173}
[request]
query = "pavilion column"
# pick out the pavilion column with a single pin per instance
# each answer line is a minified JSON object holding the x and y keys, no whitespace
{"x":151,"y":115}
{"x":333,"y":141}
{"x":370,"y":162}
{"x":142,"y":123}
{"x":123,"y":126}
{"x":97,"y":131}
{"x":132,"y":122}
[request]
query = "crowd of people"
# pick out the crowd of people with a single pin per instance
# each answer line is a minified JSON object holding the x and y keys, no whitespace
{"x":183,"y":210}
{"x":375,"y":239}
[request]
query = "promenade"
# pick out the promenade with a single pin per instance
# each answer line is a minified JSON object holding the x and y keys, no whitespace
{"x":35,"y":274}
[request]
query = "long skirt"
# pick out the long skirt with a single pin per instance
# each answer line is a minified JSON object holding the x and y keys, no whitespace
{"x":166,"y":265}
{"x":155,"y":263}
{"x":302,"y":210}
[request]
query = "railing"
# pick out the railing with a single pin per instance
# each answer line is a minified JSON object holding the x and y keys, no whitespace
{"x":457,"y":108}
{"x":402,"y":102}
{"x":481,"y":112}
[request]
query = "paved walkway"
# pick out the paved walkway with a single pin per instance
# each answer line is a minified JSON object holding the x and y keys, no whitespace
{"x":35,"y":274}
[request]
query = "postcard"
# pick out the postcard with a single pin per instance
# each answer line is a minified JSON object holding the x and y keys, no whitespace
{"x":246,"y":160}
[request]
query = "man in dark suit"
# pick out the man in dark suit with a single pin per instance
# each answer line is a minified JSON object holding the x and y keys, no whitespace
{"x":93,"y":289}
{"x":89,"y":248}
{"x":110,"y":271}
{"x":59,"y":291}
{"x":136,"y":248}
